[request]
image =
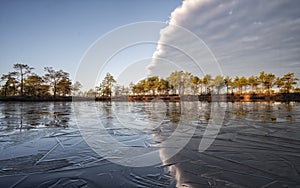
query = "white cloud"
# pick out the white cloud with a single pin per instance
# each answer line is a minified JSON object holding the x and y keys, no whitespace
{"x":245,"y":36}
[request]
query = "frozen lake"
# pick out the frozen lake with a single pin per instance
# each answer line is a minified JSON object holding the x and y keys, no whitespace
{"x":155,"y":144}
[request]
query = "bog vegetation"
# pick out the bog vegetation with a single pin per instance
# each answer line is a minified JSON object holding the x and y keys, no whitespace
{"x":24,"y":82}
{"x":184,"y":83}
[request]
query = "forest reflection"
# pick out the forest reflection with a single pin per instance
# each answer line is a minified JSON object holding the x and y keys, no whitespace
{"x":20,"y":115}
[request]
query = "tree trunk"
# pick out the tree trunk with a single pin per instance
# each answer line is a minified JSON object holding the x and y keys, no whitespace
{"x":22,"y":81}
{"x":54,"y":89}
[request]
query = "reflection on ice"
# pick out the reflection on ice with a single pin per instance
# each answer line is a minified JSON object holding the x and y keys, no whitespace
{"x":258,"y":144}
{"x":29,"y":115}
{"x":251,"y":150}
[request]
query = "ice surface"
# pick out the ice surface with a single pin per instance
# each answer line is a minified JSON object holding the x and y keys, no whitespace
{"x":258,"y":145}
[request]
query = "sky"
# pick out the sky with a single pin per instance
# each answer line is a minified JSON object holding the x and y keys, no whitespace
{"x":228,"y":37}
{"x":58,"y":33}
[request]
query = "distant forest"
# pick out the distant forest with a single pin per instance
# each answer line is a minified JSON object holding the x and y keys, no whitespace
{"x":24,"y":82}
{"x":184,"y":83}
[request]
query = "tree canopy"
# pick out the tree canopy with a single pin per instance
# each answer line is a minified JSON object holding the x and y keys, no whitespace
{"x":23,"y":81}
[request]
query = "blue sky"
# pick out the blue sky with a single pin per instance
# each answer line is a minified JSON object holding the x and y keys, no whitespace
{"x":243,"y":36}
{"x":57,"y":33}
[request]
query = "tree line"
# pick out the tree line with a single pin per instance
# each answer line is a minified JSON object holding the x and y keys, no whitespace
{"x":180,"y":82}
{"x":24,"y":82}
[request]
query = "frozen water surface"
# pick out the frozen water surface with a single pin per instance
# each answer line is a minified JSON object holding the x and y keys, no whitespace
{"x":42,"y":145}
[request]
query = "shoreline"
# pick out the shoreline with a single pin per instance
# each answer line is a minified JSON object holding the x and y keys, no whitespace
{"x":280,"y":97}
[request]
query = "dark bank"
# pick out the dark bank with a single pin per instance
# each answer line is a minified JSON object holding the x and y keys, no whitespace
{"x":280,"y":97}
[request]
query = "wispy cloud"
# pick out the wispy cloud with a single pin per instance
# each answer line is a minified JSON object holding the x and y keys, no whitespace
{"x":245,"y":36}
